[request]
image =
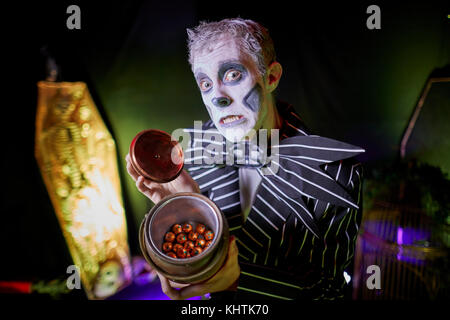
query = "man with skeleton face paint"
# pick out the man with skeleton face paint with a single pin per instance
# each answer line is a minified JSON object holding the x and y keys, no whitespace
{"x":294,"y":231}
{"x":237,"y":96}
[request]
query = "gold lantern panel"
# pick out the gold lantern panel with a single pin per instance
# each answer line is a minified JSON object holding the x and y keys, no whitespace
{"x":78,"y":162}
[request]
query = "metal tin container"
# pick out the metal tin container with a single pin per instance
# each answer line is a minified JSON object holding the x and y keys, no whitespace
{"x":184,"y":207}
{"x":155,"y":156}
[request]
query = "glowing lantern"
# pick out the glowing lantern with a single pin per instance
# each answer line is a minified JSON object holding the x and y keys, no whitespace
{"x":77,"y":159}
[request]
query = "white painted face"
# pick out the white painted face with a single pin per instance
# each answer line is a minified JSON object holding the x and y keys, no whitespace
{"x":232,"y":88}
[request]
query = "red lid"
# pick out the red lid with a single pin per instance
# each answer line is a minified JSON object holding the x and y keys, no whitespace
{"x":156,"y":156}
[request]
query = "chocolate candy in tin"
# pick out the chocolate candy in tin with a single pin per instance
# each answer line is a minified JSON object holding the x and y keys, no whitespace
{"x":177,"y":247}
{"x":171,"y":254}
{"x":177,"y":228}
{"x":169,"y":237}
{"x":184,"y":208}
{"x":197,"y":251}
{"x":200,"y":228}
{"x":167,"y":246}
{"x":181,"y":253}
{"x":189,"y":245}
{"x":194,"y":242}
{"x":187,"y":228}
{"x":209,"y":235}
{"x":200,"y":243}
{"x":193,"y":236}
{"x":181,"y":238}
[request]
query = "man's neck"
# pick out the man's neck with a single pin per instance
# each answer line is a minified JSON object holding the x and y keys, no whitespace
{"x":273,"y":119}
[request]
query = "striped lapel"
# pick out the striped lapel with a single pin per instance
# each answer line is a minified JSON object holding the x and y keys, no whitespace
{"x":267,"y":225}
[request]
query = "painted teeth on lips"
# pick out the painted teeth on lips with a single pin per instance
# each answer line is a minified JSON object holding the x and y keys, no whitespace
{"x":231,"y":118}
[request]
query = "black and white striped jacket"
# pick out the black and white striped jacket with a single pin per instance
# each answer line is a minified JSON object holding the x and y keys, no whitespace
{"x":281,"y":255}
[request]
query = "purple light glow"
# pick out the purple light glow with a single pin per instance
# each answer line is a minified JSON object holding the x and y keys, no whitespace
{"x":399,"y":242}
{"x":400,"y":235}
{"x":150,"y":291}
{"x":410,"y":237}
{"x":406,"y":237}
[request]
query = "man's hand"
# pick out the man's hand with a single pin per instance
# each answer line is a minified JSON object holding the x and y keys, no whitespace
{"x":224,"y":279}
{"x":157,"y":191}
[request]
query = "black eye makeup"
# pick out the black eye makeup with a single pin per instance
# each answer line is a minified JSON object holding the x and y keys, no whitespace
{"x":205,"y":85}
{"x":232,"y":73}
{"x":204,"y":82}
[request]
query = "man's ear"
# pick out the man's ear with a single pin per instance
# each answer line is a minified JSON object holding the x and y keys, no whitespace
{"x":273,"y":76}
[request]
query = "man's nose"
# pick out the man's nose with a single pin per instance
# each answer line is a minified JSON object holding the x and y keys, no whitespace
{"x":221,"y":102}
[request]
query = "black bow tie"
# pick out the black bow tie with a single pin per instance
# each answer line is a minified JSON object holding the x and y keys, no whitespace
{"x":245,"y":154}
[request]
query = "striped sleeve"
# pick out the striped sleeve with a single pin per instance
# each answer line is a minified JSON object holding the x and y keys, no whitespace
{"x":309,"y":268}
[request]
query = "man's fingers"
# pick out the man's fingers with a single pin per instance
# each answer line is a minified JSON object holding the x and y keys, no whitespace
{"x":167,"y":289}
{"x":186,"y":292}
{"x":177,"y":284}
{"x":131,"y":171}
{"x":152,"y":194}
{"x":193,"y":290}
{"x":140,"y":184}
{"x":147,"y":183}
{"x":150,"y":184}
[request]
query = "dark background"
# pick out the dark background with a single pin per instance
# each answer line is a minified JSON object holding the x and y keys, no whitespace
{"x":347,"y":82}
